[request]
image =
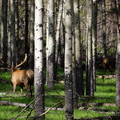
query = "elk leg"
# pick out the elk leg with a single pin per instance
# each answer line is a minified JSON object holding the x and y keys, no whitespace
{"x":28,"y":88}
{"x":14,"y":88}
{"x":21,"y":89}
{"x":31,"y":90}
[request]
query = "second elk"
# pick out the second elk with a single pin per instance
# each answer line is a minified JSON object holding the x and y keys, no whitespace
{"x":22,"y":78}
{"x":106,"y":64}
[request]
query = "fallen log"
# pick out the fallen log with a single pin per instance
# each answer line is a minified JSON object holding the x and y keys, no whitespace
{"x":15,"y":104}
{"x":28,"y":105}
{"x":97,"y":104}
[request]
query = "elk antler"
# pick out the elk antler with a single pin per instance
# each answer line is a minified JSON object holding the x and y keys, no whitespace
{"x":25,"y":59}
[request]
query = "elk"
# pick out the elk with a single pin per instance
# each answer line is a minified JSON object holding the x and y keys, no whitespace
{"x":22,"y":78}
{"x":106,"y":64}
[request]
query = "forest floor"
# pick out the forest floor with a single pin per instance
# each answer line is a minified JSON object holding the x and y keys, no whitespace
{"x":100,"y":107}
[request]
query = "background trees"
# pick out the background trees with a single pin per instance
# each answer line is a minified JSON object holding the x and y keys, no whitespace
{"x":118,"y":59}
{"x":78,"y":37}
{"x":50,"y":45}
{"x":4,"y":30}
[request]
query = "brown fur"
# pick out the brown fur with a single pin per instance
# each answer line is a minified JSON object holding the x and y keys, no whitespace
{"x":23,"y":78}
{"x":106,"y":64}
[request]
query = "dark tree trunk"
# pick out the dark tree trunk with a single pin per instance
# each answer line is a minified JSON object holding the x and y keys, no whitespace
{"x":32,"y":34}
{"x":118,"y":59}
{"x":104,"y":28}
{"x":89,"y":58}
{"x":26,"y":31}
{"x":94,"y":40}
{"x":12,"y":32}
{"x":17,"y":28}
{"x":4,"y":31}
{"x":78,"y":51}
{"x":50,"y":60}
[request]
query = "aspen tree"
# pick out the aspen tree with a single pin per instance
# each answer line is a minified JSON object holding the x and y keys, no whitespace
{"x":38,"y":68}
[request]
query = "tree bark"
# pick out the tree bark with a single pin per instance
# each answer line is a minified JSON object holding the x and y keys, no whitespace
{"x":4,"y":36}
{"x":50,"y":47}
{"x":78,"y":49}
{"x":68,"y":60}
{"x":38,"y":68}
{"x":94,"y":40}
{"x":89,"y":75}
{"x":58,"y":27}
{"x":32,"y":34}
{"x":104,"y":28}
{"x":12,"y":32}
{"x":118,"y":58}
{"x":26,"y":31}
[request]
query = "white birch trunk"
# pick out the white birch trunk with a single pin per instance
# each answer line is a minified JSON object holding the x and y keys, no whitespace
{"x":68,"y":60}
{"x":38,"y":68}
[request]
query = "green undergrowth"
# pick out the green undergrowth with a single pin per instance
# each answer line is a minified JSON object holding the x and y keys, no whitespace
{"x":105,"y":93}
{"x":103,"y":72}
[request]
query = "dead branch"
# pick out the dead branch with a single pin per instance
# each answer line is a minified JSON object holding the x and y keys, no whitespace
{"x":48,"y":109}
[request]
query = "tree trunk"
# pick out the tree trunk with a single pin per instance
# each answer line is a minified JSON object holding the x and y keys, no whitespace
{"x":78,"y":54}
{"x":12,"y":32}
{"x":26,"y":31}
{"x":118,"y":59}
{"x":94,"y":40}
{"x":50,"y":46}
{"x":104,"y":28}
{"x":58,"y":27}
{"x":62,"y":40}
{"x":32,"y":34}
{"x":38,"y":68}
{"x":17,"y":29}
{"x":75,"y":96}
{"x":114,"y":19}
{"x":9,"y":42}
{"x":4,"y":31}
{"x":89,"y":76}
{"x":68,"y":60}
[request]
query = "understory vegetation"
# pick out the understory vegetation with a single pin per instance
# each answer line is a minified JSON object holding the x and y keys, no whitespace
{"x":102,"y":104}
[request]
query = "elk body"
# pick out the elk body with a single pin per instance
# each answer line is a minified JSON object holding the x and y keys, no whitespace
{"x":22,"y":78}
{"x":106,"y":64}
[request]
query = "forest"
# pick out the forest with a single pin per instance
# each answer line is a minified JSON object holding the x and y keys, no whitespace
{"x":60,"y":60}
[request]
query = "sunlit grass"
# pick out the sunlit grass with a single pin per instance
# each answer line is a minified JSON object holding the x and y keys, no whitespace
{"x":7,"y":112}
{"x":105,"y":93}
{"x":88,"y":114}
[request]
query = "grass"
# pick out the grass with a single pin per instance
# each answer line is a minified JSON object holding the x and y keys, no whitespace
{"x":88,"y":114}
{"x":105,"y":93}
